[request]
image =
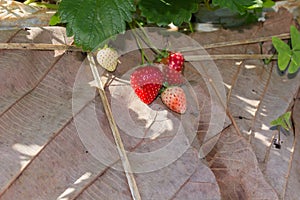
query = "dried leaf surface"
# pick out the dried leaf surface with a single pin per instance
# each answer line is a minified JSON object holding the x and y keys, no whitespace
{"x":48,"y":149}
{"x":15,"y":14}
{"x":186,"y":178}
{"x":293,"y":180}
{"x":30,"y":114}
{"x":235,"y":166}
{"x":48,"y":152}
{"x":257,"y":94}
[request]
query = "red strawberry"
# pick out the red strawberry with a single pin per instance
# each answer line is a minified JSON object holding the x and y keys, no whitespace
{"x":146,"y":83}
{"x":175,"y":61}
{"x":174,"y":98}
{"x":172,"y":77}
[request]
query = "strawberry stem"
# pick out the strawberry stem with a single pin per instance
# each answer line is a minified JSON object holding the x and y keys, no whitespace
{"x":144,"y":56}
{"x":191,"y":27}
{"x":145,"y":37}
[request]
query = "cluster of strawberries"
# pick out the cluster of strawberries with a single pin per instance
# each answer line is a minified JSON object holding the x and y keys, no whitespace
{"x":149,"y":82}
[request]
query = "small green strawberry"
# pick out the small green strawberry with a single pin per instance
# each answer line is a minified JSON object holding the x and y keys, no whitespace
{"x":108,"y":58}
{"x":174,"y":98}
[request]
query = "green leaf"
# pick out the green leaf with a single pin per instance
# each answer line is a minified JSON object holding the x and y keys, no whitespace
{"x":54,"y":20}
{"x":240,"y":6}
{"x":283,"y":60}
{"x":295,"y":37}
{"x":257,"y":4}
{"x":268,"y":3}
{"x":283,"y":121}
{"x":280,"y":45}
{"x":94,"y":21}
{"x":284,"y":53}
{"x":295,"y":62}
{"x":164,"y":12}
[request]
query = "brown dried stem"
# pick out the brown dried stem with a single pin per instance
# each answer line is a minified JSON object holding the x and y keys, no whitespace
{"x":230,"y":57}
{"x":36,"y":46}
{"x":118,"y":140}
{"x":236,"y":42}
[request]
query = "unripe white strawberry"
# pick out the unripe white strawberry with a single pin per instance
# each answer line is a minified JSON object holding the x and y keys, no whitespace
{"x":108,"y":58}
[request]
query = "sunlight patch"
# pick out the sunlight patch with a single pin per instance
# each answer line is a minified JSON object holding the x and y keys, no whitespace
{"x":29,"y":150}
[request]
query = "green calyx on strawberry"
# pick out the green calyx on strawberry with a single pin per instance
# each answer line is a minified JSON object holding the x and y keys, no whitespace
{"x":175,"y":99}
{"x":146,"y":83}
{"x":108,"y":58}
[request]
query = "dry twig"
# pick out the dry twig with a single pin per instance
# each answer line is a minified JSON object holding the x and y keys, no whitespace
{"x":122,"y":152}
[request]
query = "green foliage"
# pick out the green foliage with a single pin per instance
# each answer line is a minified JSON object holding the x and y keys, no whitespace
{"x":235,"y":5}
{"x":243,"y":6}
{"x":268,"y":3}
{"x":94,"y":21}
{"x":163,"y":12}
{"x":55,"y":19}
{"x":283,"y":121}
{"x":284,"y":53}
{"x":288,"y":57}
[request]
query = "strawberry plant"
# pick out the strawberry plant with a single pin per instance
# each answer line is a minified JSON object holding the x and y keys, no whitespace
{"x":94,"y":22}
{"x":243,"y":6}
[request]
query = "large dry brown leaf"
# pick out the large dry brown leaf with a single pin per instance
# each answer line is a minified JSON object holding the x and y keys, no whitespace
{"x":47,"y":153}
{"x":183,"y":179}
{"x":293,"y":180}
{"x":236,"y":168}
{"x":27,"y":106}
{"x":42,"y":140}
{"x":258,"y":94}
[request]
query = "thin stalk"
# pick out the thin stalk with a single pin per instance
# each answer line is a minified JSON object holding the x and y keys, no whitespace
{"x":230,"y":57}
{"x":146,"y":39}
{"x":36,"y":46}
{"x":279,"y":140}
{"x":120,"y":146}
{"x":236,"y":42}
{"x":144,"y":56}
{"x":191,"y":27}
{"x":44,"y":5}
{"x":47,"y":47}
{"x":39,"y":46}
{"x":207,"y":4}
